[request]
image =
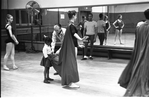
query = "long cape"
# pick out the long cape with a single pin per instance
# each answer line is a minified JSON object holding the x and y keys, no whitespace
{"x":135,"y":76}
{"x":67,"y":60}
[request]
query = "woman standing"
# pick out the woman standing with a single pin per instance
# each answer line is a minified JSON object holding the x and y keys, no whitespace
{"x":68,"y":53}
{"x":101,"y":28}
{"x":10,"y":43}
{"x":119,"y":25}
{"x":108,"y":26}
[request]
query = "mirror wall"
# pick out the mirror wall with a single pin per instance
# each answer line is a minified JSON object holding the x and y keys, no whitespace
{"x":131,"y":15}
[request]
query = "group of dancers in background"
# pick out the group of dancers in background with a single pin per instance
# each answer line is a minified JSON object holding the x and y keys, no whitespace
{"x":101,"y":28}
{"x":135,"y":77}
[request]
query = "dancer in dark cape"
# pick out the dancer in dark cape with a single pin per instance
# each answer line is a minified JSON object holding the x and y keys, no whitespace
{"x":135,"y":77}
{"x":68,"y":69}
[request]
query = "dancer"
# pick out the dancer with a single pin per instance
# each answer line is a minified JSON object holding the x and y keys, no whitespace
{"x":101,"y":27}
{"x":135,"y":77}
{"x":108,"y":26}
{"x":119,"y":25}
{"x":90,"y":30}
{"x":10,"y":43}
{"x":46,"y":59}
{"x":68,"y":54}
{"x":81,"y":27}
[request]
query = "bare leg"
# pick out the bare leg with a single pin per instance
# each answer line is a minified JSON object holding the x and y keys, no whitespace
{"x":45,"y":75}
{"x":8,"y":51}
{"x":106,"y":37}
{"x":120,"y":33}
{"x":116,"y":33}
{"x":76,"y":51}
{"x":12,"y":56}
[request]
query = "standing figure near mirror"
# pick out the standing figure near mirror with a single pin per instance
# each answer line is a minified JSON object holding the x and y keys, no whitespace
{"x":81,"y":24}
{"x":101,"y":28}
{"x":90,"y":30}
{"x":108,"y":26}
{"x":119,"y":25}
{"x":81,"y":28}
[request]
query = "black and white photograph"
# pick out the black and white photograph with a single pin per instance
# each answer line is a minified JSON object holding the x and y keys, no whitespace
{"x":74,"y":49}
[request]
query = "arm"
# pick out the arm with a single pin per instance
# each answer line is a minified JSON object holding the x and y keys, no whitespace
{"x":45,"y":52}
{"x":123,"y":24}
{"x":104,"y":26}
{"x":109,"y":25}
{"x":95,"y":31}
{"x":85,"y":29}
{"x":114,"y":24}
{"x":53,"y":41}
{"x":78,"y":37}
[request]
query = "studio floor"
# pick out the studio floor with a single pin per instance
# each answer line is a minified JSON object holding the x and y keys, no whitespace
{"x":98,"y":78}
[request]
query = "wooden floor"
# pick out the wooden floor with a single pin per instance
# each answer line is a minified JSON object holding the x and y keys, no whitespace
{"x":98,"y":78}
{"x":126,"y":38}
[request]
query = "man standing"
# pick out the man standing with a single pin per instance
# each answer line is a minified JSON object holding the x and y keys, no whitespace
{"x":90,"y":30}
{"x":101,"y":28}
{"x":58,"y":34}
{"x":81,"y":24}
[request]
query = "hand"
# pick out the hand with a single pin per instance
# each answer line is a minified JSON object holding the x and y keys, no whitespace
{"x":84,"y":38}
{"x":45,"y":36}
{"x":81,"y":46}
{"x":17,"y":42}
{"x":94,"y":40}
{"x":52,"y":52}
{"x":57,"y":52}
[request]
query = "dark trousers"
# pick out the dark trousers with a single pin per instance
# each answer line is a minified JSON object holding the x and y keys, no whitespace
{"x":91,"y":41}
{"x":101,"y":37}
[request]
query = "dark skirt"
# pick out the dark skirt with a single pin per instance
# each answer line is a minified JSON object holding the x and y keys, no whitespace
{"x":50,"y":61}
{"x":9,"y":41}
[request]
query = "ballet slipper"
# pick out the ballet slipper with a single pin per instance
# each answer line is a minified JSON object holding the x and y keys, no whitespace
{"x":72,"y":85}
{"x":15,"y":67}
{"x":6,"y":68}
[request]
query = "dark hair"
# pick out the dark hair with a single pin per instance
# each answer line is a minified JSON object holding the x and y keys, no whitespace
{"x":83,"y":17}
{"x":8,"y":16}
{"x":105,"y":17}
{"x":59,"y":25}
{"x":119,"y":16}
{"x":71,"y":14}
{"x":47,"y":39}
{"x":90,"y":14}
{"x":101,"y":16}
{"x":146,"y":13}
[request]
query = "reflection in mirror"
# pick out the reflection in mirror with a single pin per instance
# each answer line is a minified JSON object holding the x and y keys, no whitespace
{"x":131,"y":15}
{"x":124,"y":37}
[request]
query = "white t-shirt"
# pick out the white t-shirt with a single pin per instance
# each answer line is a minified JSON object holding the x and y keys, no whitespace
{"x":90,"y":27}
{"x":46,"y":50}
{"x":100,"y":26}
{"x":59,"y":36}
